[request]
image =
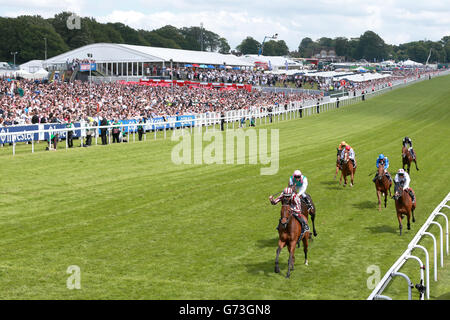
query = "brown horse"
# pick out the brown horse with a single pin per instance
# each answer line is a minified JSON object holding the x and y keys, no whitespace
{"x":289,"y":233}
{"x":382,"y":185}
{"x":347,"y":169}
{"x":404,"y":206}
{"x":407,"y":159}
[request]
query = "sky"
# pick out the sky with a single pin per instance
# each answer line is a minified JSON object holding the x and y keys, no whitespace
{"x":396,"y":21}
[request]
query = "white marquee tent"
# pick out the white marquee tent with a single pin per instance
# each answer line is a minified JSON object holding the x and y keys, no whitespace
{"x":410,"y":63}
{"x":132,"y":60}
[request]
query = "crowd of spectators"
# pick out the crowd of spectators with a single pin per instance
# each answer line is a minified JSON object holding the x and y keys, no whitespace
{"x":59,"y":102}
{"x":31,"y":102}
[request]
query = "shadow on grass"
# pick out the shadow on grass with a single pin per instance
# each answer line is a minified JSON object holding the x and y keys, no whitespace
{"x":331,"y":184}
{"x":445,"y":296}
{"x":263,"y":268}
{"x":268,"y":243}
{"x":366,"y":205}
{"x":383,"y":229}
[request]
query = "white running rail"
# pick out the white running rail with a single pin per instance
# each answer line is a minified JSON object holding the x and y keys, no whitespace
{"x":424,"y":268}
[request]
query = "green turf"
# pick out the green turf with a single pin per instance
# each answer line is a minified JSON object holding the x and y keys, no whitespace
{"x":141,"y":227}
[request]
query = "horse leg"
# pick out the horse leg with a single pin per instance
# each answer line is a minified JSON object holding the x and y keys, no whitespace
{"x":291,"y":247}
{"x":340,"y":180}
{"x":379,"y":199}
{"x":413,"y":218}
{"x":408,"y":216}
{"x":415,"y":162}
{"x":351,"y":179}
{"x":385,"y":198}
{"x":280,"y":247}
{"x":305,"y":247}
{"x":400,"y":226}
{"x":313,"y":217}
{"x":336,"y":173}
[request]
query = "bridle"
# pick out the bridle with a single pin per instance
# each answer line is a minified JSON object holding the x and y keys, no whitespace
{"x":398,"y":191}
{"x":285,"y":204}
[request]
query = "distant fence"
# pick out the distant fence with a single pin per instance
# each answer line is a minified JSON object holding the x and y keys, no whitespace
{"x":298,"y":109}
{"x":424,"y":285}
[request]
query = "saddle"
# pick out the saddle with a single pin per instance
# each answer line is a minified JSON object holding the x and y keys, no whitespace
{"x":304,"y":225}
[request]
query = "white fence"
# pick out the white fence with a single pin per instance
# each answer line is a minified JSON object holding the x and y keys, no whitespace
{"x":424,"y":286}
{"x":232,"y":118}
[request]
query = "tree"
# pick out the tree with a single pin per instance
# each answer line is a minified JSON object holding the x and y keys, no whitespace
{"x":275,"y":48}
{"x":249,"y":46}
{"x":342,"y":47}
{"x":224,"y":47}
{"x":371,"y":47}
{"x":307,"y":47}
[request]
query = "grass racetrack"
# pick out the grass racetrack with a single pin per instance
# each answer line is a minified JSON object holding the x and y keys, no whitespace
{"x":141,"y":227}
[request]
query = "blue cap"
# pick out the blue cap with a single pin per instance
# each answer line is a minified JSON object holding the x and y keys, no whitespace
{"x":381,"y":156}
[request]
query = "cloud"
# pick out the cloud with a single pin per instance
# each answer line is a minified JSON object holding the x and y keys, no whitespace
{"x":396,"y":21}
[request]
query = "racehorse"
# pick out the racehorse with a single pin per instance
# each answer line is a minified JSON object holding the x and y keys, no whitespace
{"x":404,"y":206}
{"x":347,"y":169}
{"x":407,"y":158}
{"x":382,"y":185}
{"x":289,"y":233}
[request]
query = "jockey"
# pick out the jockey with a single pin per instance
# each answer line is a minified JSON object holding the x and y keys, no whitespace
{"x":351,"y":154}
{"x":296,"y":207}
{"x":299,"y":182}
{"x":385,"y":161}
{"x":407,"y":141}
{"x":339,"y":151}
{"x":341,"y":147}
{"x":403,"y":179}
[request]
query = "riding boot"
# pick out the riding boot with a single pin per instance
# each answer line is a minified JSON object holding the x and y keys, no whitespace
{"x":305,"y":228}
{"x":388,"y":176}
{"x":308,"y":203}
{"x":411,"y":193}
{"x":376,"y":177}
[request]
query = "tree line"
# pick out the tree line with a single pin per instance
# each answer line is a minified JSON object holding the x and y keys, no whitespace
{"x":26,"y":34}
{"x":371,"y":47}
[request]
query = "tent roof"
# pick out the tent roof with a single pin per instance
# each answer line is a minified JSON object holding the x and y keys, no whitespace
{"x":411,"y":63}
{"x":363,"y":77}
{"x":110,"y":52}
{"x":275,"y":61}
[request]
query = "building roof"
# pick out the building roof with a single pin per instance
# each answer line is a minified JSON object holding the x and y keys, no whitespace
{"x":111,"y":52}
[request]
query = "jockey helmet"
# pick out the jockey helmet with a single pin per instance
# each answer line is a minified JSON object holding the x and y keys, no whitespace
{"x":297,"y":174}
{"x":401,"y":172}
{"x":287,"y":192}
{"x":381,"y":156}
{"x":406,"y":138}
{"x":343,"y":143}
{"x":347,"y":147}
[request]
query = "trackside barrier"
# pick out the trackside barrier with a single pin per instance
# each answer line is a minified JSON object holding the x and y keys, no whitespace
{"x":424,"y":268}
{"x":232,"y":118}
